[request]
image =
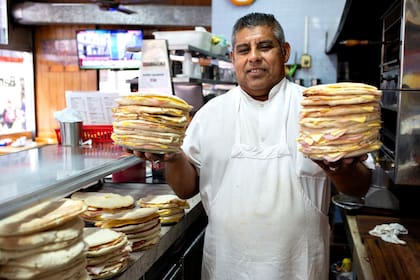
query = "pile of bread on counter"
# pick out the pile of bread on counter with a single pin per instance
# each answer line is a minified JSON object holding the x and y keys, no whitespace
{"x":89,"y":235}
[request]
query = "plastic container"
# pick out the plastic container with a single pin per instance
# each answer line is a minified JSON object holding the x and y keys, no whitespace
{"x":198,"y":39}
{"x":71,"y":133}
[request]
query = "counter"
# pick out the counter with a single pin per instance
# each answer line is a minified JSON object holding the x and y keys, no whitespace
{"x":54,"y":171}
{"x":374,"y":258}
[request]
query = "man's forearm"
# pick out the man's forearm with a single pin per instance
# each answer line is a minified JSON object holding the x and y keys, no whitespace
{"x":181,"y":176}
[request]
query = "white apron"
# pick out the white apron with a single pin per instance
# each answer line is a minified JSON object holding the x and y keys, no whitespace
{"x":261,"y":224}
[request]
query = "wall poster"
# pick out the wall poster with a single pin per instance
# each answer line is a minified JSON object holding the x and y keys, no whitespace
{"x":17,"y":105}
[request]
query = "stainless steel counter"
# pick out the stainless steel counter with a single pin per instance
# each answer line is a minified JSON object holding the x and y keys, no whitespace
{"x":54,"y":171}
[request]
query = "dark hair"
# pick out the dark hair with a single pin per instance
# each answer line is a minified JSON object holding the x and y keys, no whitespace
{"x":258,"y":19}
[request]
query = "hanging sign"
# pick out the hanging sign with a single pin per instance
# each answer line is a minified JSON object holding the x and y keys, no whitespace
{"x":155,"y":72}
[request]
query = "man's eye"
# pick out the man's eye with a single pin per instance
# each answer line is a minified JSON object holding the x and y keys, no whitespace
{"x":242,"y":50}
{"x":265,"y":47}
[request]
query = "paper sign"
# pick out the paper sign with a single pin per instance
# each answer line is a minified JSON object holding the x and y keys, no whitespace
{"x":155,"y":72}
{"x":95,"y":107}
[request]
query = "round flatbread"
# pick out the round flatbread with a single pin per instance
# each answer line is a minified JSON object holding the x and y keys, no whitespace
{"x":162,"y":201}
{"x":103,"y":241}
{"x":155,"y":100}
{"x":127,"y":217}
{"x":138,"y":227}
{"x":66,"y":232}
{"x":43,"y":263}
{"x":342,"y":88}
{"x":43,"y":216}
{"x":104,"y":200}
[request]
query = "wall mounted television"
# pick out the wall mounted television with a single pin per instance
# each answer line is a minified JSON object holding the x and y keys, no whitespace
{"x":109,"y":49}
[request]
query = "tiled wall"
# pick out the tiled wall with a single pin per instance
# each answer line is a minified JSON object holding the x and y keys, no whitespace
{"x":323,"y":17}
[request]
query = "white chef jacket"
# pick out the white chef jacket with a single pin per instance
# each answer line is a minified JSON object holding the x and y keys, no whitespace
{"x":267,"y":204}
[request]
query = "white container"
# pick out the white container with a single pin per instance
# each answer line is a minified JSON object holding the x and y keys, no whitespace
{"x":198,"y":39}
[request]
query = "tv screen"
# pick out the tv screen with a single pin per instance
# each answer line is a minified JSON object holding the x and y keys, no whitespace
{"x":109,"y":49}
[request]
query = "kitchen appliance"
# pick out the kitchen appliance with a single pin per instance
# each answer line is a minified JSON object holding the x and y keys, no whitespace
{"x":399,"y":156}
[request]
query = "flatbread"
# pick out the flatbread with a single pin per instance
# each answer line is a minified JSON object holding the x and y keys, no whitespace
{"x":109,"y":270}
{"x":7,"y":255}
{"x":104,"y":200}
{"x":66,"y":232}
{"x":75,"y":270}
{"x":123,"y":252}
{"x":143,"y":124}
{"x":162,"y":201}
{"x":171,"y":113}
{"x":156,"y":100}
{"x":127,"y":217}
{"x":145,"y":244}
{"x":43,"y":216}
{"x":138,"y":227}
{"x":342,"y":88}
{"x":45,"y":263}
{"x":145,"y":233}
{"x":344,"y":110}
{"x":336,"y":100}
{"x":103,"y":241}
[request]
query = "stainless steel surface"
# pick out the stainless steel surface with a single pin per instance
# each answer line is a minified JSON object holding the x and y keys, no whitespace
{"x":400,"y":83}
{"x":400,"y":153}
{"x":71,"y":133}
{"x":54,"y":171}
{"x":146,"y":15}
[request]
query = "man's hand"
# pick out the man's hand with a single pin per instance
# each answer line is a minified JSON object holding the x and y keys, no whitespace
{"x":168,"y":157}
{"x":338,"y":166}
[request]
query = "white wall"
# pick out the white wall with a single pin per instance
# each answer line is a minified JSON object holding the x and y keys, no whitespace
{"x":324,"y":17}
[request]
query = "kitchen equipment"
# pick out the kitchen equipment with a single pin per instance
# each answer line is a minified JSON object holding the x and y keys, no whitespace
{"x":400,"y":84}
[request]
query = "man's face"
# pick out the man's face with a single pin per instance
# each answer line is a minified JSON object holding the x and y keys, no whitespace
{"x":259,"y":60}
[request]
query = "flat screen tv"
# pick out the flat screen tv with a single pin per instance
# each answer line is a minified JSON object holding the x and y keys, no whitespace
{"x":109,"y":49}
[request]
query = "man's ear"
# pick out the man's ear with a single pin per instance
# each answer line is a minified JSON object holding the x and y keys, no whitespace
{"x":286,"y":51}
{"x":231,"y":56}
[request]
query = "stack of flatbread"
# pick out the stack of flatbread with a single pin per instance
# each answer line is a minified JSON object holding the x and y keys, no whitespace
{"x":108,"y":253}
{"x":101,"y":203}
{"x":150,"y":122}
{"x":339,"y":120}
{"x":141,"y":226}
{"x":44,"y":242}
{"x":171,"y":207}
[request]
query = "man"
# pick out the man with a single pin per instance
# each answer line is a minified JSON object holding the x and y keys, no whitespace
{"x":266,"y":203}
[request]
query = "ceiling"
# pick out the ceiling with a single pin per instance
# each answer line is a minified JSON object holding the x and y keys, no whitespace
{"x":177,"y":13}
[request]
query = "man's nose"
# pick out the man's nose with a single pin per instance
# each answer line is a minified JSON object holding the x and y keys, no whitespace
{"x":254,"y":54}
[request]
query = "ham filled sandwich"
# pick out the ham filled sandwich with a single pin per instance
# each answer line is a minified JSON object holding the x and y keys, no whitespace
{"x":171,"y":207}
{"x":339,"y":120}
{"x":140,"y":225}
{"x":108,"y":252}
{"x":99,"y":203}
{"x":150,"y":122}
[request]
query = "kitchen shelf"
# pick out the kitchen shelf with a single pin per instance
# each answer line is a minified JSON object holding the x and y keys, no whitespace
{"x":198,"y":52}
{"x":180,"y":80}
{"x":55,"y":171}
